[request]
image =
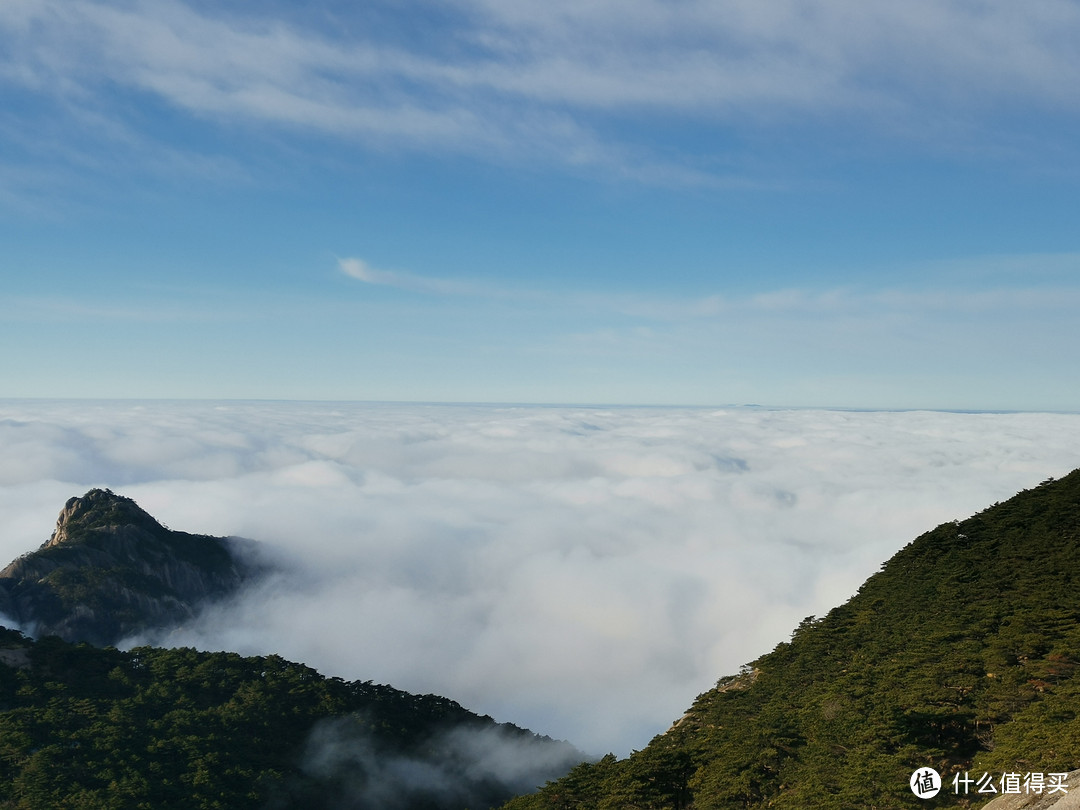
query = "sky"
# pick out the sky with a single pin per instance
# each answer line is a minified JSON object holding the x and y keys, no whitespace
{"x":819,"y":203}
{"x":584,"y":572}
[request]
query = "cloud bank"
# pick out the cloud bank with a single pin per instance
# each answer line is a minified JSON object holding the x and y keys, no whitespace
{"x":584,"y":572}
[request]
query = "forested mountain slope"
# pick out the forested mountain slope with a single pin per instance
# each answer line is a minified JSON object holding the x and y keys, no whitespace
{"x":85,"y":728}
{"x":961,"y":654}
{"x":88,"y":728}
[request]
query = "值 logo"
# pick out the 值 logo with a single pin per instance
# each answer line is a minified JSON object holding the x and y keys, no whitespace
{"x":925,"y":783}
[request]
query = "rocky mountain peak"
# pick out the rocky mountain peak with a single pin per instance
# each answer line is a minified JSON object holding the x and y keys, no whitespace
{"x":110,"y":571}
{"x":98,"y":509}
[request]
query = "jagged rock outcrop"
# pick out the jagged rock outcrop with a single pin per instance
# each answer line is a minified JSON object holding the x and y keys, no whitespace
{"x":110,"y":571}
{"x":1057,"y":800}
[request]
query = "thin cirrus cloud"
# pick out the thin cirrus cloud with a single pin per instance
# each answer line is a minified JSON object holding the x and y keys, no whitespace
{"x":433,"y":285}
{"x":581,"y":571}
{"x":504,"y":79}
{"x":1015,"y":293}
{"x":363,"y":271}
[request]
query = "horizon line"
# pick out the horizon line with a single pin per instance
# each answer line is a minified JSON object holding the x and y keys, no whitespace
{"x":527,"y":404}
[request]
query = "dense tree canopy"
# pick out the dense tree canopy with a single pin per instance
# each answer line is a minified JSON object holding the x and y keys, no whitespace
{"x":87,"y":728}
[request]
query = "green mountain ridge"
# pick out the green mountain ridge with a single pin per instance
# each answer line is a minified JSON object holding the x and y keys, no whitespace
{"x":110,"y":571}
{"x":91,"y":727}
{"x":87,"y":728}
{"x":962,"y":654}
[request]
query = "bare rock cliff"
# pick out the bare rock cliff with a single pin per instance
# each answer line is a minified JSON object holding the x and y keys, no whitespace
{"x":1056,"y":800}
{"x":110,"y":570}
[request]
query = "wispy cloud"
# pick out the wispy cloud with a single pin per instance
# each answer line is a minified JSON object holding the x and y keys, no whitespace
{"x":1029,"y":283}
{"x":511,"y":81}
{"x":362,"y":271}
{"x":432,"y":285}
{"x":723,"y":57}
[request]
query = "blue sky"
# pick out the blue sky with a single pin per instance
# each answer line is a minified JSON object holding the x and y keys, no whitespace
{"x":822,"y":202}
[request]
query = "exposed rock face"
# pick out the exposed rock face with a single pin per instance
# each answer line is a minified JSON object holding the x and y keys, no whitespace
{"x":110,"y":571}
{"x":1046,"y":801}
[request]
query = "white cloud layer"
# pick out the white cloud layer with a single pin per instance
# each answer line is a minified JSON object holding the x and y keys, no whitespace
{"x":581,"y":571}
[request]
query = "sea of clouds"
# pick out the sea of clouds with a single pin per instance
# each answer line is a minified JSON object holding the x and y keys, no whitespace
{"x":581,"y":571}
